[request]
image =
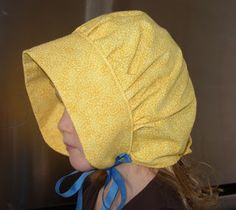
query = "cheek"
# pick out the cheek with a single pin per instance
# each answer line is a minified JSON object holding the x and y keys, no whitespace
{"x":78,"y":160}
{"x":77,"y":143}
{"x":80,"y":147}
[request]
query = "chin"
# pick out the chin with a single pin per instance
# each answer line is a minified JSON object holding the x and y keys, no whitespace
{"x":79,"y":162}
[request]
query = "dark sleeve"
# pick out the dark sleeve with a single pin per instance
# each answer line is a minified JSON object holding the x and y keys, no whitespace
{"x":157,"y":195}
{"x":166,"y":208}
{"x":90,"y":193}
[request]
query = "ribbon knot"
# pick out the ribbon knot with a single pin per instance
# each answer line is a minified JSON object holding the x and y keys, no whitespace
{"x":112,"y":173}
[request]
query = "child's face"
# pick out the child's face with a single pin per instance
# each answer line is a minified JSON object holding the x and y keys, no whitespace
{"x":76,"y":154}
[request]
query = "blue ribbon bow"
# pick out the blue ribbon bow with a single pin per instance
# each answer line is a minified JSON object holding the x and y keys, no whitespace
{"x":112,"y":172}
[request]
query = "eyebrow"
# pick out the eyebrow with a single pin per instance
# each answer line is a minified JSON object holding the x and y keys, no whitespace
{"x":56,"y":92}
{"x":58,"y":96}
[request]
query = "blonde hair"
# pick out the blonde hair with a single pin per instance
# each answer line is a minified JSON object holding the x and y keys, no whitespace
{"x":187,"y":179}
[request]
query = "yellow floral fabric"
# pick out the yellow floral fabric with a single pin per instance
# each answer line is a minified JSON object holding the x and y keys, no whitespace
{"x":125,"y":84}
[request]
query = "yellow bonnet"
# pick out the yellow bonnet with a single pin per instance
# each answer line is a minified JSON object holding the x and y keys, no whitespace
{"x":125,"y":85}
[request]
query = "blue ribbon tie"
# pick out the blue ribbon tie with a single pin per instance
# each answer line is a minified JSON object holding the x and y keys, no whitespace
{"x":118,"y":184}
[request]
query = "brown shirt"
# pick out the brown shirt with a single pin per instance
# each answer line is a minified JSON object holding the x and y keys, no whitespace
{"x":157,"y":195}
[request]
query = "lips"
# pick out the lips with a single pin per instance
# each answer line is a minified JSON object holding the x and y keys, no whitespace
{"x":69,"y":145}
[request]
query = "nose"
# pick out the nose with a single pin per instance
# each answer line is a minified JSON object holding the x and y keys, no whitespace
{"x":64,"y":124}
{"x":61,"y":123}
